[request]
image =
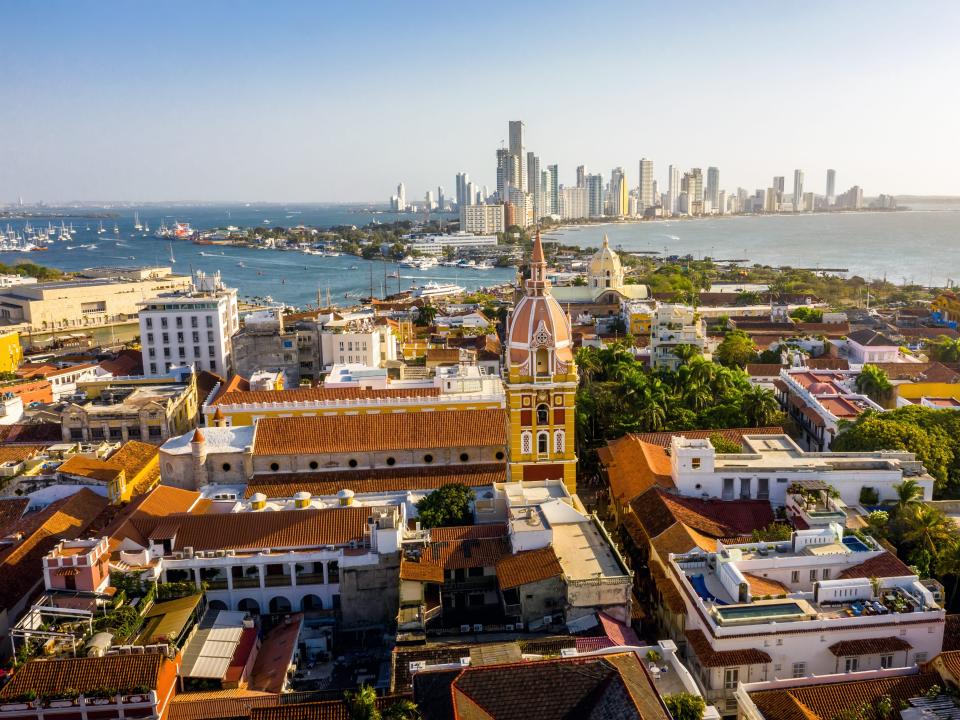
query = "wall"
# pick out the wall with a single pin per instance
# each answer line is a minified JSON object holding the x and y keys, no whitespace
{"x":370,"y":595}
{"x":11,"y":354}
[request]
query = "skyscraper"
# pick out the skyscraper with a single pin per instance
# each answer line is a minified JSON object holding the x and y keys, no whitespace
{"x":646,"y":195}
{"x":441,"y":200}
{"x":462,"y":197}
{"x":713,"y":187}
{"x":619,"y":193}
{"x":508,"y":172}
{"x":797,"y":190}
{"x":581,"y":176}
{"x":401,"y":198}
{"x":517,"y":149}
{"x":534,"y":186}
{"x":673,"y":188}
{"x":692,"y":184}
{"x":779,"y":188}
{"x":551,"y":192}
{"x":831,"y":186}
{"x":428,"y":200}
{"x":594,"y":185}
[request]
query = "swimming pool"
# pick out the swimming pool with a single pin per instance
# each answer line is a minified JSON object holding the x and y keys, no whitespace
{"x":855,"y":544}
{"x":760,"y":612}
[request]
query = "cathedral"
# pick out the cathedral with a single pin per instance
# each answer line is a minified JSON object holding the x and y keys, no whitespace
{"x":606,"y":289}
{"x":540,"y":377}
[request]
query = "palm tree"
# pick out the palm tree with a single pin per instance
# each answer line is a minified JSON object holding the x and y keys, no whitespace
{"x":909,"y":493}
{"x":927,"y":528}
{"x":362,"y":704}
{"x":403,"y":710}
{"x":759,"y":405}
{"x":946,"y":349}
{"x":684,"y":353}
{"x":873,"y":382}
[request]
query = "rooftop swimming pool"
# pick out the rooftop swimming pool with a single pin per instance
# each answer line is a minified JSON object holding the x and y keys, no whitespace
{"x":779,"y":612}
{"x":855,"y":544}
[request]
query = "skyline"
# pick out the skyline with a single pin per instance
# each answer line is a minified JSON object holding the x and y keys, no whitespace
{"x":236,"y":102}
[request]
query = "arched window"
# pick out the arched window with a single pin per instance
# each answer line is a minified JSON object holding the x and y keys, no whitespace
{"x":543,"y":414}
{"x":558,"y":441}
{"x":526,"y":442}
{"x":543,"y":443}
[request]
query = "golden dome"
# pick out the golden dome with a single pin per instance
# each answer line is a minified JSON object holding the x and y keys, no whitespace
{"x":605,"y":269}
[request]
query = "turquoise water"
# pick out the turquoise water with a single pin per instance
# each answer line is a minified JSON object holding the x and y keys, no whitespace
{"x":759,"y":612}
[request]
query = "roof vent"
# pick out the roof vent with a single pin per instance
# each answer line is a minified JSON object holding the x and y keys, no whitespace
{"x":345,"y":497}
{"x":301,"y":500}
{"x":258,"y":501}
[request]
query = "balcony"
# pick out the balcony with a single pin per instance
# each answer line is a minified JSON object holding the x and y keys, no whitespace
{"x":246,"y":582}
{"x":310,"y":579}
{"x":218,"y":584}
{"x":277,"y":581}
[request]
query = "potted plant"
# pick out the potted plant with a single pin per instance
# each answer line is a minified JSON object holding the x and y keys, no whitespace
{"x":653,"y":656}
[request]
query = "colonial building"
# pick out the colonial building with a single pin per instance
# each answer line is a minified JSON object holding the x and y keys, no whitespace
{"x":606,"y":290}
{"x":541,"y":384}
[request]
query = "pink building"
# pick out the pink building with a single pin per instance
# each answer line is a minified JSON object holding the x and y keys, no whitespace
{"x":82,"y":565}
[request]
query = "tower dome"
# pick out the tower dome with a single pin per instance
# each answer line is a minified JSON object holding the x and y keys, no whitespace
{"x":605,"y":269}
{"x":539,"y":338}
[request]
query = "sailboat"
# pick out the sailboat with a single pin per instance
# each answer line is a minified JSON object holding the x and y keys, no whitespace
{"x":116,"y":229}
{"x":172,"y":259}
{"x":136,"y":222}
{"x":146,"y":227}
{"x":100,"y":229}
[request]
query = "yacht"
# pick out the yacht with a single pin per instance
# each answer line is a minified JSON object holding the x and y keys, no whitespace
{"x":136,"y":222}
{"x":433,"y":290}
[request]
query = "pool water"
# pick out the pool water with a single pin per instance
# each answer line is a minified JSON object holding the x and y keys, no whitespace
{"x":855,"y":544}
{"x":771,"y":611}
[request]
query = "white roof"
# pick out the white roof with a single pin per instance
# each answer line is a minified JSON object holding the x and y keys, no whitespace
{"x":218,"y":440}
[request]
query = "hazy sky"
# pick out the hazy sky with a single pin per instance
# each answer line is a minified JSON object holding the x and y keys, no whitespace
{"x":325,"y":101}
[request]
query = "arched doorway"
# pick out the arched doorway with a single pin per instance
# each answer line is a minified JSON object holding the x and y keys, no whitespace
{"x":249,"y":605}
{"x":311,"y":602}
{"x":280,"y":604}
{"x":217,"y":605}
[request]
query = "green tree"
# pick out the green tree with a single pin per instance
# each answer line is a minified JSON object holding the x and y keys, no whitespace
{"x":773,"y":532}
{"x":807,"y":314}
{"x":685,"y":353}
{"x":760,"y":406}
{"x":362,"y":704}
{"x":685,"y":706}
{"x":426,"y":314}
{"x":945,"y":349}
{"x":736,"y":350}
{"x":909,"y":494}
{"x":874,"y":383}
{"x":928,"y":531}
{"x":447,"y":505}
{"x":722,"y":445}
{"x":403,"y":710}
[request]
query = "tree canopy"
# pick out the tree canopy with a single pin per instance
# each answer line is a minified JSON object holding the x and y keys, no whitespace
{"x":685,"y":706}
{"x":736,"y":350}
{"x":447,"y":505}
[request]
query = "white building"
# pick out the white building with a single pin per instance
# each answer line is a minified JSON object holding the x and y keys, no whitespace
{"x":675,"y":325}
{"x":574,"y":203}
{"x":436,"y":244}
{"x":357,"y":343}
{"x":868,"y":346}
{"x":482,"y":219}
{"x":770,"y":463}
{"x":646,"y":196}
{"x":191,"y":327}
{"x":817,"y":604}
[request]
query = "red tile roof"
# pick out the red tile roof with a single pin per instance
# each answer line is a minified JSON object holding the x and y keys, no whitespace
{"x":11,"y":510}
{"x":869,"y":646}
{"x":527,"y":567}
{"x":709,"y":657}
{"x":275,"y":656}
{"x":634,"y":466}
{"x":881,"y":566}
{"x":320,"y":394}
{"x":124,"y":672}
{"x":221,"y":704}
{"x":456,"y":548}
{"x":732,"y":434}
{"x":380,"y":432}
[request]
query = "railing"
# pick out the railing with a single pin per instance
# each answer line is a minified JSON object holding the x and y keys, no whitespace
{"x":277,"y":580}
{"x":310,"y":579}
{"x":217,"y":584}
{"x":430,"y":613}
{"x":246,"y":582}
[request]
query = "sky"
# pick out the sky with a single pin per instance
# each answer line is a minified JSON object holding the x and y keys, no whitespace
{"x":338,"y":102}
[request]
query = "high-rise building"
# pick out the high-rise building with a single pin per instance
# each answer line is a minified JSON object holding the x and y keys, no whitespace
{"x":508,"y":173}
{"x":595,"y":194}
{"x":574,"y":203}
{"x":441,"y":200}
{"x":517,"y":149}
{"x":551,"y":192}
{"x":534,"y":185}
{"x":646,"y":195}
{"x":194,"y":327}
{"x":831,"y":186}
{"x":482,"y":219}
{"x":581,"y":176}
{"x":779,"y":189}
{"x":462,"y":197}
{"x":713,"y":187}
{"x":797,"y":190}
{"x":619,"y":193}
{"x":428,"y":200}
{"x":673,"y":189}
{"x":721,"y":202}
{"x":401,"y":198}
{"x":692,"y":184}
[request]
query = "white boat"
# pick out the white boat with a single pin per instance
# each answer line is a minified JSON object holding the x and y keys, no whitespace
{"x":100,"y":230}
{"x":409,"y":261}
{"x":427,"y":263}
{"x":485,"y":265}
{"x":146,"y":227}
{"x":136,"y":222}
{"x":432,"y":290}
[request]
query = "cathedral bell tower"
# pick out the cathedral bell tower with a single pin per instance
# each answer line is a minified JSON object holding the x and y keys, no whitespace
{"x":541,"y":384}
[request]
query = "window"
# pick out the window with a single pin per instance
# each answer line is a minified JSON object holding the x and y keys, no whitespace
{"x":209,"y":321}
{"x":795,"y":577}
{"x":851,"y":664}
{"x":196,"y":351}
{"x":543,"y":415}
{"x":193,"y":321}
{"x":133,"y":431}
{"x":149,"y":337}
{"x":542,"y":443}
{"x":179,"y":322}
{"x":391,"y":461}
{"x":825,"y":575}
{"x":211,"y":352}
{"x":799,"y":669}
{"x":475,"y":572}
{"x":763,"y":489}
{"x":152,"y":352}
{"x":813,"y":576}
{"x":730,"y":678}
{"x":919,"y":657}
{"x":76,"y":434}
{"x":226,"y":467}
{"x":166,"y":338}
{"x":209,"y":335}
{"x":314,"y":464}
{"x":153,"y":368}
{"x":154,"y":431}
{"x":886,"y":661}
{"x":744,"y":488}
{"x":182,"y":351}
{"x":195,"y":336}
{"x":526,"y":442}
{"x":166,"y":352}
{"x":499,"y":455}
{"x":558,"y":441}
{"x":728,"y":489}
{"x":96,"y":433}
{"x":695,"y":463}
{"x":163,"y":322}
{"x":352,"y":463}
{"x":428,"y":458}
{"x":149,"y":322}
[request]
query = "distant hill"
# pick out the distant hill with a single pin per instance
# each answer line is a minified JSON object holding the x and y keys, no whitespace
{"x":928,"y":199}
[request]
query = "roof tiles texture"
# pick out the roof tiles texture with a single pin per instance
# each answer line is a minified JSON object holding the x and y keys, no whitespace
{"x":319,"y":394}
{"x":733,"y":434}
{"x":528,"y":567}
{"x":709,"y":657}
{"x":123,"y":672}
{"x":380,"y":432}
{"x":869,"y":646}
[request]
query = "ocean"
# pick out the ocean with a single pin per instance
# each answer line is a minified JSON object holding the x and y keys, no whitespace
{"x":921,"y":246}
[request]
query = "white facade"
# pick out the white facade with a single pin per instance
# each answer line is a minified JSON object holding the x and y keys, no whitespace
{"x":373,"y":346}
{"x":190,"y":328}
{"x":770,"y":463}
{"x":675,"y":325}
{"x":482,"y":219}
{"x":436,"y":244}
{"x":574,"y":203}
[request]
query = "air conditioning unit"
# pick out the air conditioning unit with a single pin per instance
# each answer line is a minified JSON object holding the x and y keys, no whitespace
{"x":478,"y":628}
{"x":221,"y":553}
{"x":177,"y":555}
{"x":188,"y":552}
{"x":568,"y":652}
{"x":231,"y":553}
{"x":464,"y":628}
{"x":508,"y":627}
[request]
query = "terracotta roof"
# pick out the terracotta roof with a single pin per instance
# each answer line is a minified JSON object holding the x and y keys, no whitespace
{"x":709,"y":657}
{"x":658,"y":510}
{"x":320,"y":394}
{"x":206,"y":382}
{"x":523,"y":568}
{"x":18,"y":453}
{"x":88,"y":467}
{"x":765,"y":586}
{"x":825,"y":701}
{"x":127,"y":362}
{"x":284,"y":485}
{"x":671,"y":596}
{"x":951,"y":634}
{"x":380,"y":432}
{"x":607,"y":687}
{"x":132,"y":458}
{"x":871,"y":338}
{"x":764,"y":369}
{"x":829,"y":329}
{"x":951,"y":662}
{"x":732,"y":434}
{"x":87,"y":673}
{"x":275,"y":655}
{"x":161,"y":501}
{"x":881,"y":566}
{"x":680,"y":538}
{"x":11,"y":510}
{"x":456,"y":548}
{"x":327,"y":710}
{"x":41,"y":433}
{"x":869,"y":646}
{"x":634,"y":466}
{"x":254,"y":531}
{"x":218,"y":704}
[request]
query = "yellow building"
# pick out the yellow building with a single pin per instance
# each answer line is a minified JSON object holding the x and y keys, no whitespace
{"x":11,"y":354}
{"x":541,"y":384}
{"x":639,"y":319}
{"x":132,"y":470}
{"x":947,"y":304}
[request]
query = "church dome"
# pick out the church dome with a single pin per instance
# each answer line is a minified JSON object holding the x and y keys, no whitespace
{"x":605,"y":269}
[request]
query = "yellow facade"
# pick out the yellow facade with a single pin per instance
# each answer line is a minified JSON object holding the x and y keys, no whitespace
{"x":947,"y":304}
{"x":11,"y":353}
{"x":915,"y":391}
{"x":640,"y":323}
